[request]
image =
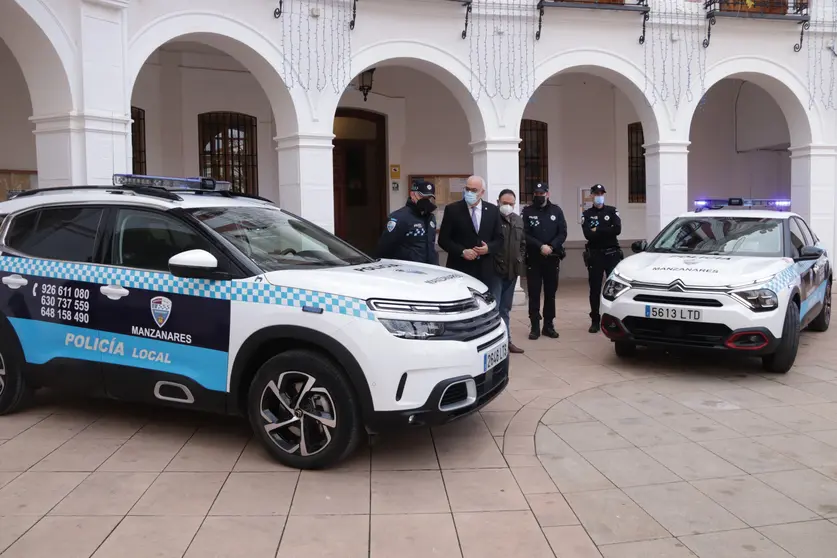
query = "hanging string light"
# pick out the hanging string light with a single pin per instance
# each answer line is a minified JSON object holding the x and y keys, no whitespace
{"x":822,"y":54}
{"x":316,"y":42}
{"x":502,"y":48}
{"x":674,"y":57}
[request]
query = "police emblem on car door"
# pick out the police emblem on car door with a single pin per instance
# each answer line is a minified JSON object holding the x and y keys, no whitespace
{"x":160,"y":310}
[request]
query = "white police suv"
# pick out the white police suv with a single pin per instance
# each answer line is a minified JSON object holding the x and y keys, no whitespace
{"x":181,"y":292}
{"x":738,"y":275}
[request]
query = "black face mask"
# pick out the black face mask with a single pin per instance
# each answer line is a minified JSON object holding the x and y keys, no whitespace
{"x":426,"y":206}
{"x":540,"y":201}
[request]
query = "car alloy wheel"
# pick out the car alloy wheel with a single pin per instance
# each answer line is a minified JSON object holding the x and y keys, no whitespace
{"x":299,"y":416}
{"x":828,"y":303}
{"x":2,"y":375}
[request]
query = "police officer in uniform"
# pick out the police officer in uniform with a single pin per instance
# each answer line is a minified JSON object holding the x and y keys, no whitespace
{"x":411,"y":231}
{"x":546,"y":231}
{"x":601,"y":225}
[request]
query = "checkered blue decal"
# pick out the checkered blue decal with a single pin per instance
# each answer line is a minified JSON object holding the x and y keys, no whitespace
{"x":234,"y":291}
{"x":787,"y":276}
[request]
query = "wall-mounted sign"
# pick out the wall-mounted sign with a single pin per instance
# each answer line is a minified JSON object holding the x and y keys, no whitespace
{"x":395,"y":172}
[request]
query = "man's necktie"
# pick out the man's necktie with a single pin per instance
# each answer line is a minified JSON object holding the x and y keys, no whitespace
{"x":474,"y":218}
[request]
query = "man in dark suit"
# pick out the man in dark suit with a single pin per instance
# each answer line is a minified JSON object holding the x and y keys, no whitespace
{"x":471,"y":233}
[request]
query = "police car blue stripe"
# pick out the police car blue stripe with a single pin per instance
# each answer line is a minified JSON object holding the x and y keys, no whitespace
{"x":235,"y":291}
{"x":816,"y":296}
{"x":46,"y":341}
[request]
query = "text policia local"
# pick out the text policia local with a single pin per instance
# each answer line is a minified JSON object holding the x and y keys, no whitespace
{"x":113,"y":347}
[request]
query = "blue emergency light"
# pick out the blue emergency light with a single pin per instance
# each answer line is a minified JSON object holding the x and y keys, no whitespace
{"x":717,"y":203}
{"x":169,"y":183}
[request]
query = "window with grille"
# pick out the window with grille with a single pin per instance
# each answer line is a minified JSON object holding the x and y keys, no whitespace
{"x":138,"y":140}
{"x":228,"y":149}
{"x":636,"y":164}
{"x":534,"y":158}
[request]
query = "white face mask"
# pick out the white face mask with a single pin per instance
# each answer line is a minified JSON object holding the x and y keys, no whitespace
{"x":506,"y":209}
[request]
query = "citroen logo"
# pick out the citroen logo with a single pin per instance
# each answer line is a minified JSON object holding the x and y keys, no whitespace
{"x":677,"y":286}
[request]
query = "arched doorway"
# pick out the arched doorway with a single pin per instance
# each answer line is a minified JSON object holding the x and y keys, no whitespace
{"x":360,"y":176}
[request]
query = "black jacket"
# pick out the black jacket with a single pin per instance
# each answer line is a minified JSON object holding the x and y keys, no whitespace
{"x":608,"y":226}
{"x":456,"y":234}
{"x":544,"y":225}
{"x":409,"y":236}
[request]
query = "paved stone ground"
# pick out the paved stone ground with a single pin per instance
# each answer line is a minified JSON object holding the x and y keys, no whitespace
{"x":584,"y":456}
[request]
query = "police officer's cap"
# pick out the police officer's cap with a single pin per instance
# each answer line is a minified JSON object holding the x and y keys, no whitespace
{"x":423,"y":188}
{"x":598,"y":189}
{"x":541,"y":188}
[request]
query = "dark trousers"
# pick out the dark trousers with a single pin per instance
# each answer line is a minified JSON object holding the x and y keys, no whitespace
{"x":600,"y":264}
{"x":542,"y":271}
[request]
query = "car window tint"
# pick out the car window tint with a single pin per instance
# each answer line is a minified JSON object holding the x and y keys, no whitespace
{"x":806,"y":232}
{"x":797,"y":238}
{"x":147,"y":240}
{"x":60,"y":233}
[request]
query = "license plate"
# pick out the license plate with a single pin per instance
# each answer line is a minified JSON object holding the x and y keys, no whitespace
{"x":680,"y":314}
{"x":495,"y":356}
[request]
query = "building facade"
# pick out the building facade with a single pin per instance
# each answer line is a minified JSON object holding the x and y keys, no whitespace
{"x":331,"y":107}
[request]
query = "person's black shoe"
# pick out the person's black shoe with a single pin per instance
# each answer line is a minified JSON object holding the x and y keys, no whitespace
{"x":549,"y":331}
{"x":594,"y":327}
{"x":535,"y":331}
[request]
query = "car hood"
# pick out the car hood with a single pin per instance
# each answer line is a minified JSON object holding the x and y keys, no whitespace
{"x":700,"y":270}
{"x":391,"y":279}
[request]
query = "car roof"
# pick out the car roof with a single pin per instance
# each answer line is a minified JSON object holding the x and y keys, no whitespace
{"x":120,"y":196}
{"x":742,"y":213}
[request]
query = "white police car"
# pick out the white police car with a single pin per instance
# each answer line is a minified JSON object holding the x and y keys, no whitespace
{"x":180,"y":292}
{"x":739,"y":275}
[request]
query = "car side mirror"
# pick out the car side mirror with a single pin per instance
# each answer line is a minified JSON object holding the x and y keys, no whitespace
{"x":810,"y":253}
{"x":639,"y":246}
{"x":196,"y":264}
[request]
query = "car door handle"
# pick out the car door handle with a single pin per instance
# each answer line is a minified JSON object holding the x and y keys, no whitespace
{"x":114,"y":292}
{"x":15,"y":281}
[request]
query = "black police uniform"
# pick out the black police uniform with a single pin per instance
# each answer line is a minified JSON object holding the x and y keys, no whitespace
{"x":543,"y":225}
{"x":602,"y":251}
{"x":411,"y":233}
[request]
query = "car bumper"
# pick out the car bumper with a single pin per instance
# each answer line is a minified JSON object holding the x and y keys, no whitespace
{"x":449,"y":400}
{"x":404,"y":375}
{"x":727,"y":326}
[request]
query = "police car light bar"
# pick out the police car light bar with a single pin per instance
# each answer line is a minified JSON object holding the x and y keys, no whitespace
{"x":169,"y":183}
{"x":770,"y":204}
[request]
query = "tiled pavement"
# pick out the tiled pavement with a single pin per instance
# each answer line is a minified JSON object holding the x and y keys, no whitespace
{"x":584,"y":456}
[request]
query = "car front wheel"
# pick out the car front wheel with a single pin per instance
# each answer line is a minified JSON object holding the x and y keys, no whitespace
{"x":782,"y":360}
{"x":304,"y":411}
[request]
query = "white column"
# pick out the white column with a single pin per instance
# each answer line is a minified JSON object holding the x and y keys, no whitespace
{"x":306,"y":177}
{"x":666,"y":184}
{"x":91,"y":143}
{"x":498,"y":162}
{"x":81,"y":149}
{"x":813,"y":173}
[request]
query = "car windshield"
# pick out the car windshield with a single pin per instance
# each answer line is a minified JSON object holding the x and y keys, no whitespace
{"x":741,"y":236}
{"x":276,"y":240}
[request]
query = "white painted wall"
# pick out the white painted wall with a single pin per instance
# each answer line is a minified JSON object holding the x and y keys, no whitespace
{"x":428,"y":132}
{"x":17,"y":142}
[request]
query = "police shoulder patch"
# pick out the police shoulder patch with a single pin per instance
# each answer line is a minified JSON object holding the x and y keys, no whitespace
{"x":582,"y":218}
{"x":391,"y":225}
{"x":432,"y":224}
{"x":616,"y":211}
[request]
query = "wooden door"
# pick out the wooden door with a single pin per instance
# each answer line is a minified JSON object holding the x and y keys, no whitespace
{"x":339,"y":163}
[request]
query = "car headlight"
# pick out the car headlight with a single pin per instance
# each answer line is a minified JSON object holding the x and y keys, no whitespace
{"x":613,"y":287}
{"x":406,"y":329}
{"x":758,"y":300}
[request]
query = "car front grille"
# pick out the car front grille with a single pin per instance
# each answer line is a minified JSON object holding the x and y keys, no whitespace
{"x":679,"y":301}
{"x":470,"y":329}
{"x":673,"y":331}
